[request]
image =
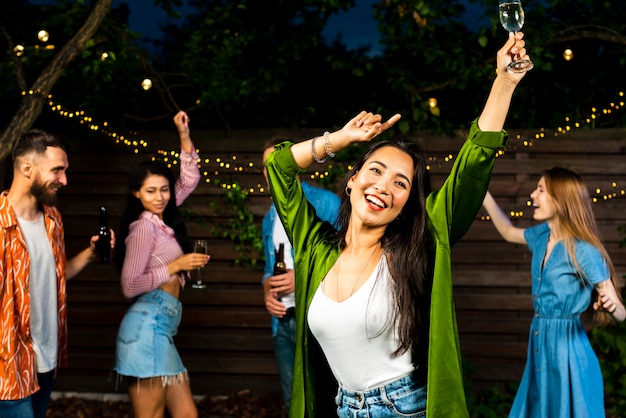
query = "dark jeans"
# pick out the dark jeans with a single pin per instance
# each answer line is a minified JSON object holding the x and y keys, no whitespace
{"x":285,"y":348}
{"x":34,"y":406}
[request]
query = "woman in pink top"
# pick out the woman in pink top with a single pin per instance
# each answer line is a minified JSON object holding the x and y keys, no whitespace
{"x":152,"y":256}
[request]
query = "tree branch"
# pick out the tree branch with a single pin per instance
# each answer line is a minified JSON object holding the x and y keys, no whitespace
{"x":32,"y":104}
{"x":19,"y":69}
{"x":600,"y":33}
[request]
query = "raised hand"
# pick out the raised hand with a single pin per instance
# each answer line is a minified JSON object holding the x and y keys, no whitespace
{"x":515,"y":47}
{"x":365,"y":126}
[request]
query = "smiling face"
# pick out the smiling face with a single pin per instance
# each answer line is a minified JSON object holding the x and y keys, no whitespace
{"x":543,"y":204}
{"x":381,"y":187}
{"x":48,"y":175}
{"x":154,"y":194}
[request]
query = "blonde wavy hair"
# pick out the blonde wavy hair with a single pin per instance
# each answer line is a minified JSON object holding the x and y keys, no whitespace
{"x":575,"y":220}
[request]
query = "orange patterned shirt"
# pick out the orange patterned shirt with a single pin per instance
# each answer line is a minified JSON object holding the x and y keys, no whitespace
{"x":17,"y":358}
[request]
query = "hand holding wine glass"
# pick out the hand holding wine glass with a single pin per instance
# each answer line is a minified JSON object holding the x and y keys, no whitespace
{"x":512,"y":17}
{"x":200,"y":247}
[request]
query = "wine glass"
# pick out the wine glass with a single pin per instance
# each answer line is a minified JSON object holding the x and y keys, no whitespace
{"x":512,"y":19}
{"x":200,"y":247}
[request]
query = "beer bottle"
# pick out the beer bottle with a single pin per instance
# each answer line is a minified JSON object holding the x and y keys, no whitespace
{"x":103,"y":245}
{"x":279,"y":266}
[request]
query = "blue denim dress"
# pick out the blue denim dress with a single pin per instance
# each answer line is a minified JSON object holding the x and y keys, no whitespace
{"x":562,"y":377}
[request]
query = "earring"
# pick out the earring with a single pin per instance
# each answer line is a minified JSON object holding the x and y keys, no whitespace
{"x":348,"y":190}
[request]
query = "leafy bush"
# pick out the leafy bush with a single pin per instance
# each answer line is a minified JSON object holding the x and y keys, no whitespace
{"x":609,"y":343}
{"x":492,"y":402}
{"x":236,"y":222}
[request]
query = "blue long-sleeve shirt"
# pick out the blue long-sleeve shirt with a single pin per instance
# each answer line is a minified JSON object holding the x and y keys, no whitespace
{"x":326,"y":204}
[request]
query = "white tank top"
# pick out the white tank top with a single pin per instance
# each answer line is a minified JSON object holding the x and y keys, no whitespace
{"x":357,"y":335}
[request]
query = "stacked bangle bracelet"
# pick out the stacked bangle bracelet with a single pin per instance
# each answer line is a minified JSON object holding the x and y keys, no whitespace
{"x":327,"y":149}
{"x":315,"y":157}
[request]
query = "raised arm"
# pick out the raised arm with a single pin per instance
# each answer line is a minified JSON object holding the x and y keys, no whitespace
{"x":362,"y":128}
{"x":182,"y":124}
{"x":502,"y":222}
{"x":496,"y":108}
{"x":189,"y":176}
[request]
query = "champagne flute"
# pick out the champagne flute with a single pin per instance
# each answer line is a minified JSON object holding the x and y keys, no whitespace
{"x":512,"y":19}
{"x":200,"y":247}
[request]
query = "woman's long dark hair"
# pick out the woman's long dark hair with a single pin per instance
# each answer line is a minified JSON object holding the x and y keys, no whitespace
{"x":407,"y":245}
{"x":134,"y":208}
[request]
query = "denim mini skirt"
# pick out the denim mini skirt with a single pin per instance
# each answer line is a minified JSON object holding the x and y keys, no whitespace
{"x":403,"y":397}
{"x":145,"y":345}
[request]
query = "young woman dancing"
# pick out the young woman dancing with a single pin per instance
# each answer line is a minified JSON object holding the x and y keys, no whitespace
{"x":376,"y":295}
{"x":154,"y":266}
{"x":569,"y":264}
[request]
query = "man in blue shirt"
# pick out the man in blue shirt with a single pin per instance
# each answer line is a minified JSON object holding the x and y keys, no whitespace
{"x":279,"y":290}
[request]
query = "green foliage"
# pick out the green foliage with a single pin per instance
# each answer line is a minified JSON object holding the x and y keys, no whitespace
{"x":429,"y":52}
{"x":609,"y":343}
{"x":108,"y":88}
{"x":238,"y":225}
{"x":488,"y":402}
{"x":251,"y":64}
{"x":253,"y":55}
{"x":557,"y":88}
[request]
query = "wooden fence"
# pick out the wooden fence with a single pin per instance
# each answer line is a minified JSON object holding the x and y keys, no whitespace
{"x":224,"y":338}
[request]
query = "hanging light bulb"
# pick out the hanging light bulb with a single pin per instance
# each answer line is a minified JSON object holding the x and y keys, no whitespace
{"x":568,"y":54}
{"x":432,"y":102}
{"x":146,"y":84}
{"x":19,"y":50}
{"x":43,"y":35}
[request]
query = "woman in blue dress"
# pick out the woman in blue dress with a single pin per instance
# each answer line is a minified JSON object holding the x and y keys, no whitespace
{"x":570,"y":268}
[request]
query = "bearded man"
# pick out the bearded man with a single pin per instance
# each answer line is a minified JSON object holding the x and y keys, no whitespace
{"x":33,"y":314}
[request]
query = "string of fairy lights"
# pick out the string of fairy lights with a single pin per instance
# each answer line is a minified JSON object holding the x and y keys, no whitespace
{"x":599,"y":196}
{"x":227,"y":167}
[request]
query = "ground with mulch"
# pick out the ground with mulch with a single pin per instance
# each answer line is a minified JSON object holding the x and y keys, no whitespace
{"x":240,"y":405}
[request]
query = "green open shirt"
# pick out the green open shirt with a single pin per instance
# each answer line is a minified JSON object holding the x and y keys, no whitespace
{"x":451,"y":210}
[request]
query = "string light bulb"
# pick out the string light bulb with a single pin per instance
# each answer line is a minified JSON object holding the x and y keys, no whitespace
{"x":239,"y":166}
{"x":19,"y":50}
{"x":432,"y":102}
{"x":146,"y":84}
{"x":568,"y":54}
{"x":43,"y":35}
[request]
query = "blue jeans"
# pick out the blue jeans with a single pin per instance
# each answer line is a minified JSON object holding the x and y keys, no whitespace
{"x":404,"y":397}
{"x":285,"y":348}
{"x":33,"y":406}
